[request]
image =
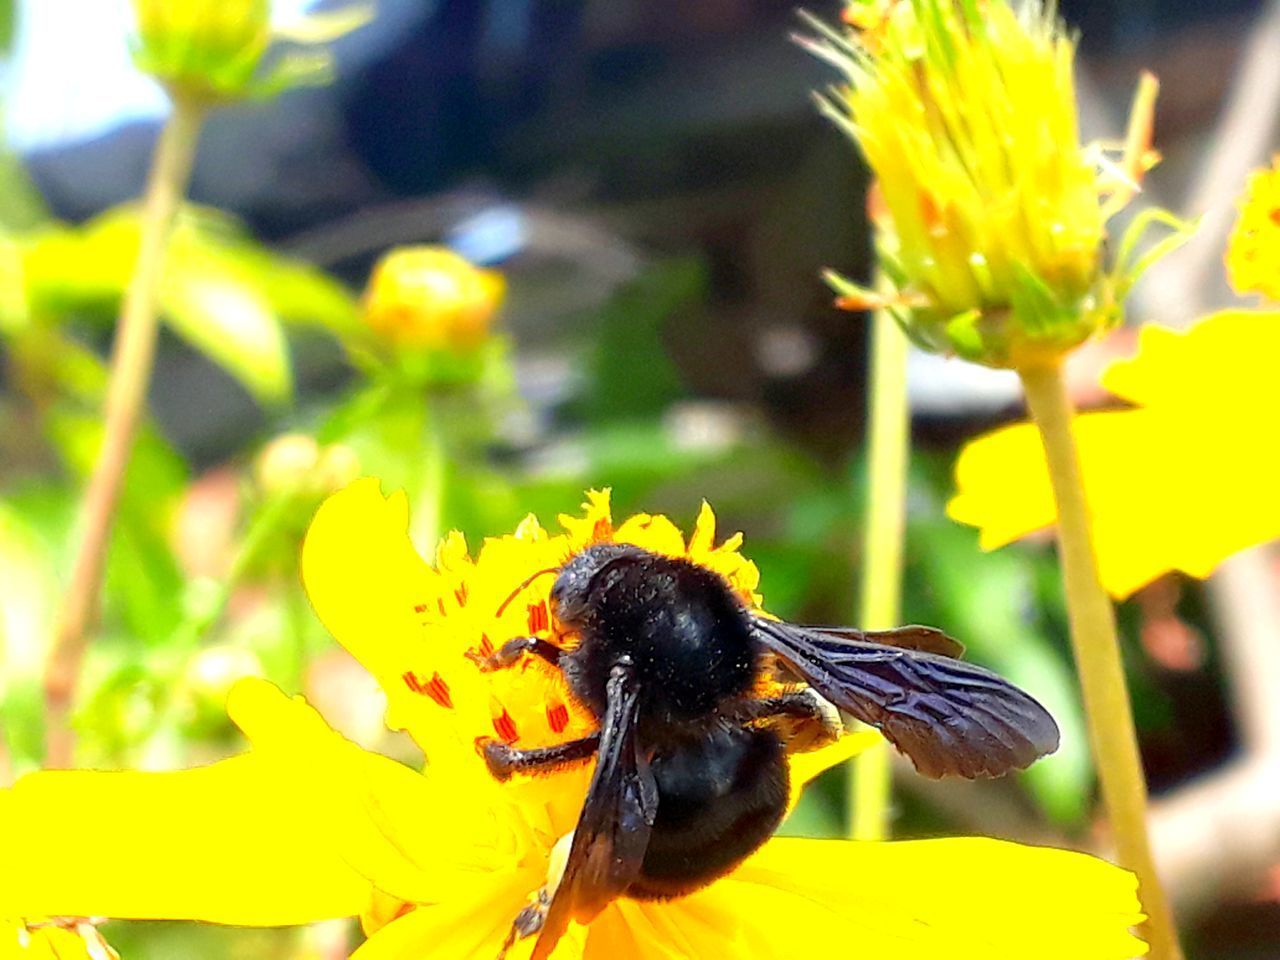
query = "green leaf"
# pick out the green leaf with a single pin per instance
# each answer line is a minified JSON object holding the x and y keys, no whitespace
{"x":143,"y":583}
{"x":29,"y":596}
{"x":232,"y":324}
{"x":227,"y":295}
{"x":631,"y":373}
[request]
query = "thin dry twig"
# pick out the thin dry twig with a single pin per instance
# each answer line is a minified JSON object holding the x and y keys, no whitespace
{"x":131,"y":364}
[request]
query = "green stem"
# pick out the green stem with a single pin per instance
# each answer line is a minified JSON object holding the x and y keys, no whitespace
{"x":131,"y":364}
{"x":298,"y":618}
{"x":889,"y":441}
{"x":263,"y":528}
{"x":432,"y":476}
{"x":1097,"y":653}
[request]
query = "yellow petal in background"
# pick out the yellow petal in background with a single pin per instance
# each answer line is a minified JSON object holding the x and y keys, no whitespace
{"x":1180,"y":483}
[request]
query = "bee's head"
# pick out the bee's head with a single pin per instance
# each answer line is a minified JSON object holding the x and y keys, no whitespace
{"x":571,"y":594}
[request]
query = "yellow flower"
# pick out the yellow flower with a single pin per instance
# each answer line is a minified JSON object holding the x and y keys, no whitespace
{"x":1181,"y":481}
{"x":1253,"y":252}
{"x":212,"y":51}
{"x":990,"y":215}
{"x":307,"y":825}
{"x":432,"y":297}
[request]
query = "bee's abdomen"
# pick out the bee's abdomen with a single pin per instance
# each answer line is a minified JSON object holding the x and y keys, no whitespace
{"x":720,"y":797}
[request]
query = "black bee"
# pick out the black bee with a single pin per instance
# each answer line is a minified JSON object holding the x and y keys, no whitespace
{"x":691,"y":773}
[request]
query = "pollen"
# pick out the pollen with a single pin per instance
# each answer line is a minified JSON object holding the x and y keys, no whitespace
{"x":557,"y":717}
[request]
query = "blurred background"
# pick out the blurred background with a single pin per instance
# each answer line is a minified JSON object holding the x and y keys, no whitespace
{"x":654,"y":184}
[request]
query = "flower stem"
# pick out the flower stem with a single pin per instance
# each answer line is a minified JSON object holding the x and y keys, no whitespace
{"x":432,"y":474}
{"x":1097,"y":654}
{"x":889,"y":440}
{"x":131,"y":364}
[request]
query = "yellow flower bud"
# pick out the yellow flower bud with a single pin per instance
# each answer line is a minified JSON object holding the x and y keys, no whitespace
{"x":213,"y":51}
{"x":430,"y":297}
{"x":209,"y":49}
{"x":295,"y":463}
{"x":338,"y":466}
{"x":1253,"y":252}
{"x":991,"y":216}
{"x":287,"y":463}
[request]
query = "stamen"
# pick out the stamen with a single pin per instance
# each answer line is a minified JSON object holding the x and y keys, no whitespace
{"x":461,"y":595}
{"x":505,"y":728}
{"x":486,"y":646}
{"x":438,"y":691}
{"x":603,"y":529}
{"x":436,"y":688}
{"x":557,"y":717}
{"x":539,"y":620}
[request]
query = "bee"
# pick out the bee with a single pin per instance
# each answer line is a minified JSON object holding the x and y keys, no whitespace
{"x":691,"y":770}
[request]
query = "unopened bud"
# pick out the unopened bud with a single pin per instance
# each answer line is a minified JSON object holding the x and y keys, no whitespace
{"x":287,"y":463}
{"x":430,"y":297}
{"x":210,"y":49}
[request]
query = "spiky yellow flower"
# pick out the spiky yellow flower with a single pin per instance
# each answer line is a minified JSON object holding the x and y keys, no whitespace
{"x":307,"y":825}
{"x":430,"y":297}
{"x":991,"y":217}
{"x":1179,"y":482}
{"x":212,"y":51}
{"x":1253,"y":252}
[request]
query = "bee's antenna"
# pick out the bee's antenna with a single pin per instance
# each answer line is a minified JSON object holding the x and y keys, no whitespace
{"x":516,"y":592}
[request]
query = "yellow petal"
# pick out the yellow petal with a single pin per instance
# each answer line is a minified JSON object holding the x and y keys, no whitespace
{"x":920,"y":900}
{"x":417,"y":628}
{"x":1178,"y":484}
{"x":1225,"y":360}
{"x":230,"y":843}
{"x":418,"y":839}
{"x":303,"y":827}
{"x":806,"y":766}
{"x":470,"y":926}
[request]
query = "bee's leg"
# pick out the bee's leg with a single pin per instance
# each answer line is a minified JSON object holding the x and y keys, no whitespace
{"x":503,"y":760}
{"x":806,"y":704}
{"x":510,"y":652}
{"x":528,"y":921}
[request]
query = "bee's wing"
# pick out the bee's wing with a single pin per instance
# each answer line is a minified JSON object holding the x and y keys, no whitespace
{"x":911,"y":637}
{"x":949,"y":717}
{"x":613,"y":829}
